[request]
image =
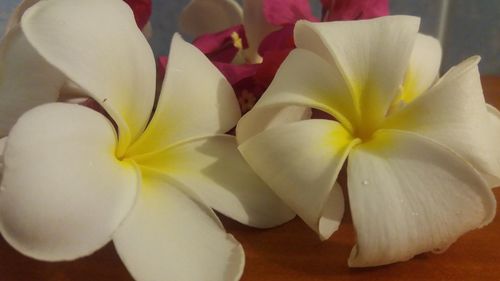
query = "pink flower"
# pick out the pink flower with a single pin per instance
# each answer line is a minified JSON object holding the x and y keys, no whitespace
{"x":250,"y":52}
{"x":142,"y":11}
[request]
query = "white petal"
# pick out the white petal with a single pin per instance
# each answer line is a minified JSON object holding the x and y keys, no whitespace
{"x":315,"y":84}
{"x":214,"y":169}
{"x":256,"y":27}
{"x":410,"y":195}
{"x":15,"y":17}
{"x":3,"y":141}
{"x":26,"y":79}
{"x":209,"y":16}
{"x":98,"y":45}
{"x":300,"y":162}
{"x":64,"y":192}
{"x":169,"y":236}
{"x":423,"y":70}
{"x":262,"y":118}
{"x":494,"y":118}
{"x":453,"y":112}
{"x":196,"y":100}
{"x":373,"y":56}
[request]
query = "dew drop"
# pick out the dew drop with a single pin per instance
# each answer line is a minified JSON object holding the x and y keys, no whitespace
{"x":365,"y":182}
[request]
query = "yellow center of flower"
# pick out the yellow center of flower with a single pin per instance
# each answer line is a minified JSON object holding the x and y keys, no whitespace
{"x":368,"y":114}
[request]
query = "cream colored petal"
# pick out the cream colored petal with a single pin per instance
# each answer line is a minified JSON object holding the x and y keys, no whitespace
{"x":15,"y":17}
{"x":296,"y":88}
{"x":373,"y":56}
{"x":26,"y":79}
{"x":209,"y":16}
{"x":256,"y":28}
{"x":213,"y":169}
{"x":263,"y":118}
{"x":169,"y":236}
{"x":410,"y":195}
{"x":423,"y":70}
{"x":64,"y":192}
{"x":494,"y":118}
{"x":315,"y":84}
{"x":3,"y":141}
{"x":300,"y":162}
{"x":196,"y":100}
{"x":453,"y":112}
{"x":97,"y":45}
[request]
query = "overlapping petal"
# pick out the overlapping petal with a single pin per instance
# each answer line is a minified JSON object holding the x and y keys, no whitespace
{"x":373,"y":69}
{"x":112,"y":62}
{"x":209,"y":16}
{"x":251,"y":124}
{"x":315,"y":84}
{"x":190,"y":105}
{"x":454,"y":113}
{"x":64,"y":192}
{"x":214,"y":169}
{"x":423,"y":69}
{"x":15,"y":17}
{"x":39,"y":83}
{"x":169,"y":236}
{"x":300,"y":162}
{"x":410,"y":195}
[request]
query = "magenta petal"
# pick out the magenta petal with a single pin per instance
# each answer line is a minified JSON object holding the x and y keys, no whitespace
{"x":234,"y":73}
{"x":271,"y":62}
{"x":219,"y":46}
{"x":287,"y":11}
{"x":354,"y":10}
{"x":142,"y":11}
{"x":278,"y":40}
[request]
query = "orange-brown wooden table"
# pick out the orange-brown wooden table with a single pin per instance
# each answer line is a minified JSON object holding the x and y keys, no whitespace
{"x":292,"y":252}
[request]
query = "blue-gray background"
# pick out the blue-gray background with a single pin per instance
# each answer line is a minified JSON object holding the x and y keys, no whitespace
{"x":465,"y":27}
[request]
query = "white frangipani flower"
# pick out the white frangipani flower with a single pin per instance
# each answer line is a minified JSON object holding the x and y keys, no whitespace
{"x":418,"y":150}
{"x":74,"y":180}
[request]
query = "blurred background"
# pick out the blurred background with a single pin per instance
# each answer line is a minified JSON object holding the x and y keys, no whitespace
{"x":464,"y":27}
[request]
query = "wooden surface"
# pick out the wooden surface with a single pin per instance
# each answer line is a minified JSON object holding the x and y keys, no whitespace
{"x":292,"y":252}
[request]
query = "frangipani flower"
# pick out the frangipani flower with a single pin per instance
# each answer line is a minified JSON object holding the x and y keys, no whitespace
{"x":418,"y":150}
{"x":73,"y":182}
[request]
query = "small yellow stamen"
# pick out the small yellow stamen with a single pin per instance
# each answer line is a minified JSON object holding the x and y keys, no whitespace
{"x":237,"y":41}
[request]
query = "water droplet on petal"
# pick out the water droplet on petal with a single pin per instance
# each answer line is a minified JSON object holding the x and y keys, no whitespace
{"x":365,"y":182}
